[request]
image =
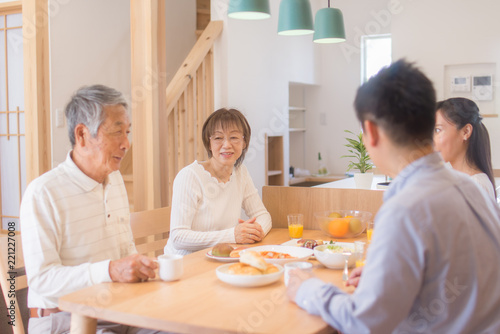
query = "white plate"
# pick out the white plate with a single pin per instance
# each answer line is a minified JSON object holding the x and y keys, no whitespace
{"x":292,"y":242}
{"x":298,"y":253}
{"x":221,"y":258}
{"x":247,"y":280}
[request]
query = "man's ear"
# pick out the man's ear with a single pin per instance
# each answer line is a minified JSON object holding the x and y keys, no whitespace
{"x":81,"y":135}
{"x":371,"y":133}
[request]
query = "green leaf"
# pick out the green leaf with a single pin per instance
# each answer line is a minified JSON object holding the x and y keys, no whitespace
{"x":360,"y":157}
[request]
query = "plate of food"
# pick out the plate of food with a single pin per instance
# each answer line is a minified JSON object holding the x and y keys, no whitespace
{"x":279,"y":254}
{"x":307,"y":243}
{"x":225,"y":253}
{"x":251,"y":270}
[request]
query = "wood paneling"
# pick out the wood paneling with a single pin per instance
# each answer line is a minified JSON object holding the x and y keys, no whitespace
{"x":36,"y":87}
{"x":281,"y":201}
{"x":145,"y":103}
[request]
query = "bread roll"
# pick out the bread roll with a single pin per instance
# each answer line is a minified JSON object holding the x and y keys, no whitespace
{"x":254,"y":259}
{"x":243,"y":269}
{"x":271,"y":268}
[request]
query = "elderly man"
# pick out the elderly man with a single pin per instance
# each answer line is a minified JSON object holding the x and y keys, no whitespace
{"x":433,"y":263}
{"x":75,"y":218}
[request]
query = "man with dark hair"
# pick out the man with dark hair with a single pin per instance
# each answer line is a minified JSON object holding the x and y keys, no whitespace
{"x":75,"y":219}
{"x":432,"y":266}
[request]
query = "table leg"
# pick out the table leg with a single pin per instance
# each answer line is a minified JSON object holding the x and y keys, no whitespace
{"x":81,"y":324}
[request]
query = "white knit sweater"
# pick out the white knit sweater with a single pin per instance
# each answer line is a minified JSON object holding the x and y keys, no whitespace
{"x":206,"y":211}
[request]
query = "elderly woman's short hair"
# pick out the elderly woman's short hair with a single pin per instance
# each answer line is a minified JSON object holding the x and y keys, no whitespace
{"x":86,"y":107}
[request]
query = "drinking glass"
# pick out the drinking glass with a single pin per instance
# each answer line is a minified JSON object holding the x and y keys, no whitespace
{"x":369,"y":230}
{"x":295,"y":225}
{"x":360,"y":253}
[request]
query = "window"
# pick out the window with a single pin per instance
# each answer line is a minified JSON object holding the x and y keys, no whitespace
{"x":376,"y":52}
{"x":12,"y":137}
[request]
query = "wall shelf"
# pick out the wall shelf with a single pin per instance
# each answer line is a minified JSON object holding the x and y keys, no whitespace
{"x":274,"y":164}
{"x":297,"y":127}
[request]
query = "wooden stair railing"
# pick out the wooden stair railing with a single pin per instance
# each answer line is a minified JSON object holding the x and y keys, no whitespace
{"x":189,"y":101}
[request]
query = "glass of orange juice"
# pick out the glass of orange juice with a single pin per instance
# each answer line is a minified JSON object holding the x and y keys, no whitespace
{"x":360,"y":253}
{"x":295,"y":225}
{"x":369,"y":230}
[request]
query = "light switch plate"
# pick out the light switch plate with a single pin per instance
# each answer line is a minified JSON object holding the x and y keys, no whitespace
{"x":59,"y":118}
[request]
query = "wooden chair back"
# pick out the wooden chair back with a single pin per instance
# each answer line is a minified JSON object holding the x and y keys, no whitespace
{"x":12,"y":266}
{"x":151,"y":230}
{"x":280,"y":201}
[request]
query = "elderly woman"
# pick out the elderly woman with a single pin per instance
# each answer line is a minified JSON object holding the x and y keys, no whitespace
{"x":463,"y":140}
{"x":208,"y":196}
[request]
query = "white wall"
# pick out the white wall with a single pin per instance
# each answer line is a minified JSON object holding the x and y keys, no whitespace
{"x":455,"y":32}
{"x":89,"y":44}
{"x":252,"y":70}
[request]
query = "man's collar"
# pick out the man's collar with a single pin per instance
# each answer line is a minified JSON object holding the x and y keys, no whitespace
{"x":79,"y":177}
{"x":432,"y":160}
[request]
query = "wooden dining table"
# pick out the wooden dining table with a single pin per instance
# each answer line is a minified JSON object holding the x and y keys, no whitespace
{"x":199,"y":302}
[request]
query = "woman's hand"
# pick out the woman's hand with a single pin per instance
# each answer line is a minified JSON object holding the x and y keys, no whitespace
{"x":354,"y":277}
{"x":248,"y":232}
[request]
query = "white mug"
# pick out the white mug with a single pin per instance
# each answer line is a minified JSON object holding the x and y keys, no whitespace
{"x":171,"y":267}
{"x":306,"y":266}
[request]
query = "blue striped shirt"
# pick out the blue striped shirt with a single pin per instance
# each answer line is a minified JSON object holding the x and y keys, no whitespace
{"x":433,"y":265}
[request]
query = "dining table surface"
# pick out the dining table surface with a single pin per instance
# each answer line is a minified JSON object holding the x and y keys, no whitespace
{"x":200,"y":303}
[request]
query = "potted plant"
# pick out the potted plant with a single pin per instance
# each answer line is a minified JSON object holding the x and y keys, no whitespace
{"x":361,"y":161}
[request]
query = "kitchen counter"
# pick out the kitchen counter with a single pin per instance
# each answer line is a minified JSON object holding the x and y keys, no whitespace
{"x":348,"y":183}
{"x":315,"y":179}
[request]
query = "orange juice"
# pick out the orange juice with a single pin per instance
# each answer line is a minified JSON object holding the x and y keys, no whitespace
{"x":360,"y":263}
{"x":369,"y":233}
{"x":295,"y":231}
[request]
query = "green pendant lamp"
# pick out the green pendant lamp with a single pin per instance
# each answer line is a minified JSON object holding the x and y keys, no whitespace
{"x":295,"y":18}
{"x":249,"y":9}
{"x":329,"y":26}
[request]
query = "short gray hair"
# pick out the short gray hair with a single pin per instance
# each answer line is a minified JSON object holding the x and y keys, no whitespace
{"x":86,"y":107}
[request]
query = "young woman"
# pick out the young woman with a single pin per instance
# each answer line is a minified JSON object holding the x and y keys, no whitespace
{"x":208,"y":196}
{"x":463,"y":140}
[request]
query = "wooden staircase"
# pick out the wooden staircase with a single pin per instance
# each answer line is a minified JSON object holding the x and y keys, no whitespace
{"x":188,"y":102}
